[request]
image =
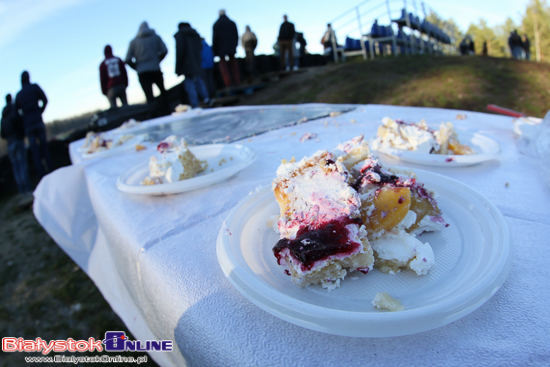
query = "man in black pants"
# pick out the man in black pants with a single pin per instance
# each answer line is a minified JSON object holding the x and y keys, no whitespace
{"x":30,"y":103}
{"x":286,"y":36}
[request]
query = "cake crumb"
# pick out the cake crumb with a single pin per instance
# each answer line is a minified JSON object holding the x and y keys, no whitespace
{"x":461,"y":117}
{"x":249,"y":140}
{"x":230,"y":158}
{"x":307,"y":136}
{"x":222,"y":161}
{"x":383,"y":300}
{"x":353,"y":121}
{"x":506,"y":184}
{"x":335,"y":114}
{"x":140,"y":147}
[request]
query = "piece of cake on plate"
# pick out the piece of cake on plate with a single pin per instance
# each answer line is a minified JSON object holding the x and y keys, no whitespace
{"x":337,"y":207}
{"x":174,"y":162}
{"x":96,"y":142}
{"x":420,"y":138}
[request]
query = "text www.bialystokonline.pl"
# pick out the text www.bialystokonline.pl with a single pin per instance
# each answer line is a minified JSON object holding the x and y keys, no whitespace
{"x":87,"y":359}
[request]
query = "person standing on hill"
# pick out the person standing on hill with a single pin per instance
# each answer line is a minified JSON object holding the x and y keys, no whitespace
{"x":13,"y":132}
{"x":329,"y":41}
{"x":144,"y":55}
{"x":225,"y":39}
{"x":303,"y":53}
{"x":30,"y":103}
{"x":249,"y":43}
{"x":188,"y":63}
{"x":207,"y":72}
{"x":113,"y":78}
{"x":516,"y":47}
{"x":526,"y":47}
{"x":286,"y":36}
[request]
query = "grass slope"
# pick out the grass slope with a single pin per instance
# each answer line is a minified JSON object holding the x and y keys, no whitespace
{"x":466,"y":83}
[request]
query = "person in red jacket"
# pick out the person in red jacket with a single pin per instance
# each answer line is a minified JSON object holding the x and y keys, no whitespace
{"x":113,"y":77}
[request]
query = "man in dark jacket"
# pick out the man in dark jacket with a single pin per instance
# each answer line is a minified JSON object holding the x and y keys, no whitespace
{"x":28,"y":106}
{"x":144,"y":55}
{"x":526,"y":47}
{"x":225,"y":39}
{"x":286,"y":35}
{"x":113,"y":77}
{"x":188,"y":63}
{"x":13,"y":132}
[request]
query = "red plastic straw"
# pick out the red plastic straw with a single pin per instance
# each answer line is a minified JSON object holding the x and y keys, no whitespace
{"x":504,"y":111}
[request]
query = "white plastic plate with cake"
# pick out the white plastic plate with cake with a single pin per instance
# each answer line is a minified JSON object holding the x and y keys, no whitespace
{"x":223,"y":161}
{"x":98,"y":145}
{"x":348,"y":224}
{"x":412,"y":142}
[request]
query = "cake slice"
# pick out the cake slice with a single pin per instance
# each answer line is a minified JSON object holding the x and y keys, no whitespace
{"x":174,"y":162}
{"x":322,"y":234}
{"x":419,"y":138}
{"x":97,"y":142}
{"x":337,"y":207}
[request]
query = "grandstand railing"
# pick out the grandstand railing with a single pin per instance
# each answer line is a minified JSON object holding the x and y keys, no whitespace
{"x":400,"y":30}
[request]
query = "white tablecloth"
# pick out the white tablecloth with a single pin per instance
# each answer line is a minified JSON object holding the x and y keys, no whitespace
{"x":154,"y":258}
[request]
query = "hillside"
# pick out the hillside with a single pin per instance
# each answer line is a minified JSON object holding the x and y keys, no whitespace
{"x":468,"y":83}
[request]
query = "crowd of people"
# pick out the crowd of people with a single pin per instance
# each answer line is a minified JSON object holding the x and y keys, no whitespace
{"x":194,"y":60}
{"x":22,"y":115}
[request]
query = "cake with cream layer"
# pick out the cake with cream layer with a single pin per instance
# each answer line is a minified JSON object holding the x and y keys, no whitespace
{"x":342,"y":211}
{"x":174,"y":162}
{"x":419,"y":138}
{"x":97,"y":142}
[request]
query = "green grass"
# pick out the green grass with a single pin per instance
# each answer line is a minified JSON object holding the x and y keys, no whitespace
{"x":42,"y":291}
{"x":467,"y":83}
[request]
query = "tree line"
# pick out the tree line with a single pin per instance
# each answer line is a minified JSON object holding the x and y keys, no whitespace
{"x":534,"y":23}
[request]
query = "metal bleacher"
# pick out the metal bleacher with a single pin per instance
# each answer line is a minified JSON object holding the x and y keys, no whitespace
{"x":384,"y":27}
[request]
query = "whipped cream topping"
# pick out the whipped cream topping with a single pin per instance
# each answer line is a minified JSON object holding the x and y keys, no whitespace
{"x":404,"y":248}
{"x":319,"y":194}
{"x":397,"y":134}
{"x":166,"y":166}
{"x":419,"y":138}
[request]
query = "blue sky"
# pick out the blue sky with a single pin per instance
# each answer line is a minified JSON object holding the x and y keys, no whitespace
{"x":60,"y":42}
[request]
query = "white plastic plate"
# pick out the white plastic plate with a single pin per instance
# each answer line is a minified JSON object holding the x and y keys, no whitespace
{"x":473,"y":257}
{"x":486,"y":149}
{"x":224,"y":160}
{"x":127,"y":145}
